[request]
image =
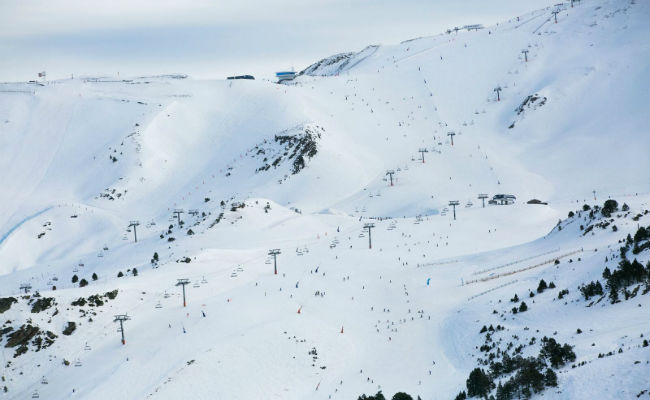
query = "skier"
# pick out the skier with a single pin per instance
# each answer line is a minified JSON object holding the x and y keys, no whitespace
{"x":203,"y":312}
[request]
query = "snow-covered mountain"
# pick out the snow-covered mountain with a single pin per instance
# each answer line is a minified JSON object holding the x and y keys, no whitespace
{"x":252,"y":166}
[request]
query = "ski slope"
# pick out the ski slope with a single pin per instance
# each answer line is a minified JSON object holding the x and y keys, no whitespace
{"x":80,"y":159}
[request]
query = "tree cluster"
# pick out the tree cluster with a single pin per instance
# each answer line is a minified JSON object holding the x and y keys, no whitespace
{"x":591,"y":289}
{"x":627,"y":273}
{"x":527,"y":375}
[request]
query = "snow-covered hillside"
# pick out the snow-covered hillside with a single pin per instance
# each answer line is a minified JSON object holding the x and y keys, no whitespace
{"x":252,"y":166}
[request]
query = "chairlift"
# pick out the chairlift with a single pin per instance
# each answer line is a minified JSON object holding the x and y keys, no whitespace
{"x":81,"y":264}
{"x":55,"y":278}
{"x":233,"y":275}
{"x":49,"y":283}
{"x":78,"y":363}
{"x":75,"y":269}
{"x":35,"y":395}
{"x":204,"y":280}
{"x":44,"y":380}
{"x":87,"y":347}
{"x":196,"y":284}
{"x":332,"y":246}
{"x":166,"y":295}
{"x":240,"y":268}
{"x":100,"y":255}
{"x":105,"y":247}
{"x":158,"y":305}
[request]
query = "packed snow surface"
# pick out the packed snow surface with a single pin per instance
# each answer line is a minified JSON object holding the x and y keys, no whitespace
{"x":303,"y":167}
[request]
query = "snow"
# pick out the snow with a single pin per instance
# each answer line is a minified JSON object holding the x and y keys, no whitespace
{"x":190,"y":144}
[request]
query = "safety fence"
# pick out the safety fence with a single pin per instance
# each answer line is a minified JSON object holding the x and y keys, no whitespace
{"x":491,"y":290}
{"x":514,"y":262}
{"x":487,"y":278}
{"x":437,"y":263}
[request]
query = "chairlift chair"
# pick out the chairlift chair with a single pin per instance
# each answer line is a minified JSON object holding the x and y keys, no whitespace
{"x":158,"y":305}
{"x":78,"y":363}
{"x":87,"y":347}
{"x":35,"y":395}
{"x":44,"y":380}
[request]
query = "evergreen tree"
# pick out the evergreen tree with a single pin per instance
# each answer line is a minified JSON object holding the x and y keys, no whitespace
{"x":94,"y":276}
{"x":529,"y":375}
{"x":542,"y":286}
{"x":550,"y":378}
{"x":478,"y":383}
{"x":120,"y":274}
{"x":75,"y":278}
{"x":401,"y":396}
{"x":135,"y":272}
{"x":523,"y":307}
{"x":83,"y":283}
{"x":609,"y":207}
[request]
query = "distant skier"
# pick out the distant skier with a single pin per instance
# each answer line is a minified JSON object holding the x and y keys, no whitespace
{"x":203,"y":312}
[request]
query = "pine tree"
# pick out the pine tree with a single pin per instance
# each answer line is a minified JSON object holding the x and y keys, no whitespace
{"x":75,"y":278}
{"x":94,"y":276}
{"x":83,"y":283}
{"x":478,"y":383}
{"x":550,"y":378}
{"x":135,"y":272}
